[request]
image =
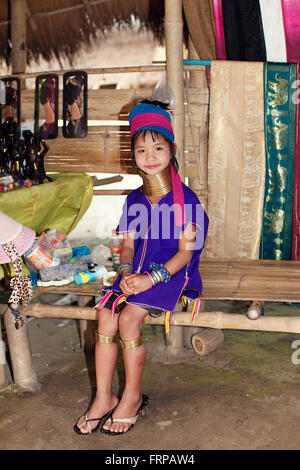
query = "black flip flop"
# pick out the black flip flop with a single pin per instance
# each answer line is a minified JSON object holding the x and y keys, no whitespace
{"x":140,"y":412}
{"x":87,"y":421}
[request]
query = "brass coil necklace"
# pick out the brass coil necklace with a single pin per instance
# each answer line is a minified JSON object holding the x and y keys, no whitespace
{"x":156,"y":185}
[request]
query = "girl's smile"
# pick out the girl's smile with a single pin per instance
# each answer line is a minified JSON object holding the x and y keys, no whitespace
{"x":152,"y":166}
{"x":152,"y":153}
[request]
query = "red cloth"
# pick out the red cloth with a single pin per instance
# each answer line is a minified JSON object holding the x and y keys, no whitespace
{"x":291,"y":21}
{"x":219,"y":29}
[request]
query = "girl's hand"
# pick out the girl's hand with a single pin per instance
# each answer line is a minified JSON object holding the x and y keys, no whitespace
{"x":138,"y":283}
{"x":123,"y":283}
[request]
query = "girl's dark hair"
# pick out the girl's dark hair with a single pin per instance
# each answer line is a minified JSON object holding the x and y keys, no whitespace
{"x":154,"y":135}
{"x":161,"y":104}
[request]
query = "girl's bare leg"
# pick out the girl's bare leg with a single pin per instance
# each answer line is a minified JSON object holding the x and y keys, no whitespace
{"x":105,"y":360}
{"x":134,"y":359}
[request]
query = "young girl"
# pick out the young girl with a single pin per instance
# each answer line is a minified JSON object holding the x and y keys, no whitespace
{"x":164,"y":228}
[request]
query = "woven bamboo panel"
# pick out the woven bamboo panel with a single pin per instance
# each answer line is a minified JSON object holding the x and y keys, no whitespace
{"x":243,"y":279}
{"x":103,"y":104}
{"x":107,"y":147}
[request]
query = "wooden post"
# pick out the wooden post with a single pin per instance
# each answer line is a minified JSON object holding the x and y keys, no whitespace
{"x":174,"y":70}
{"x":197,"y":183}
{"x":87,"y":327}
{"x":207,"y":341}
{"x":190,"y":331}
{"x":20,"y":352}
{"x":18,"y":37}
{"x":3,"y":365}
{"x":174,"y":343}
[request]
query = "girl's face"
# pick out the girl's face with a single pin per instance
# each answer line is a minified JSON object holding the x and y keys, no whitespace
{"x":151,"y":152}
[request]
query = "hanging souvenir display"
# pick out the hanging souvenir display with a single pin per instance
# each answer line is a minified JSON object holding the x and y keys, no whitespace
{"x":75,"y":104}
{"x":10,"y":105}
{"x":46,"y":106}
{"x":21,"y":160}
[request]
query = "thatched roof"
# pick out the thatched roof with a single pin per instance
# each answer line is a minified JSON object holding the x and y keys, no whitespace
{"x":61,"y":28}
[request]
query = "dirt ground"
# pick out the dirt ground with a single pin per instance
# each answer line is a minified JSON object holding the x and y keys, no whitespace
{"x":245,"y":395}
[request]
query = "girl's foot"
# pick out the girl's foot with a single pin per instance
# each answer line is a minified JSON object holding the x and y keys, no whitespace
{"x":99,"y":408}
{"x":126,"y":408}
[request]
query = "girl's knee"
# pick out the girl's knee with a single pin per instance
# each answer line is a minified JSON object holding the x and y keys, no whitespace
{"x":106,"y":323}
{"x":130,"y":322}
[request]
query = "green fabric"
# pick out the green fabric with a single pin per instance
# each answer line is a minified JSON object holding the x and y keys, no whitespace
{"x":59,"y":204}
{"x":280,"y":108}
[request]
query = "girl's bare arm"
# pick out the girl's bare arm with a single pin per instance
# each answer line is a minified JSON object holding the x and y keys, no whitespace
{"x":126,"y":256}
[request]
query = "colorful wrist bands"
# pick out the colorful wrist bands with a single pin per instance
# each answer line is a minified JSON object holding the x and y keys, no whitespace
{"x":124,"y":266}
{"x":159,"y":272}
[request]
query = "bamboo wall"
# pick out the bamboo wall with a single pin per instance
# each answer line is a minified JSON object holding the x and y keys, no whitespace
{"x":107,"y":147}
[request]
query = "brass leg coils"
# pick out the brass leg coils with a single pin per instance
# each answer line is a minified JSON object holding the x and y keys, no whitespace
{"x":103,"y":339}
{"x":131,"y":344}
{"x":134,"y":343}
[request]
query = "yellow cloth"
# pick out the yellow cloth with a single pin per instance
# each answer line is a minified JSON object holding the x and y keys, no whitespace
{"x":236,"y":160}
{"x":59,"y":204}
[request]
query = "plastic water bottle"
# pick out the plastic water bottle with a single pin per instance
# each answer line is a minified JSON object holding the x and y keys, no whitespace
{"x":115,"y":248}
{"x":86,"y":276}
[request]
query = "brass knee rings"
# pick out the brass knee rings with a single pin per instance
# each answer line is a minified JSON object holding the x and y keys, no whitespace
{"x":126,"y":345}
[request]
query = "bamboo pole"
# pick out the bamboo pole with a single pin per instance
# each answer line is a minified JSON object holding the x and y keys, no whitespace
{"x":254,"y":311}
{"x":215,"y":319}
{"x":111,"y":192}
{"x":18,"y":37}
{"x":108,"y":70}
{"x":174,"y":71}
{"x":110,"y":180}
{"x":20,"y":352}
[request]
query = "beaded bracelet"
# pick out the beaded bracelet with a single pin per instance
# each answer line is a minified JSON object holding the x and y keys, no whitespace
{"x":162,"y":269}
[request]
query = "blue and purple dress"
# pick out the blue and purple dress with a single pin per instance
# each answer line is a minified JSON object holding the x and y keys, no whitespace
{"x":156,"y":239}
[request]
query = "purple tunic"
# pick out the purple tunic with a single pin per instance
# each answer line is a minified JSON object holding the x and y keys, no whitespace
{"x":156,"y":240}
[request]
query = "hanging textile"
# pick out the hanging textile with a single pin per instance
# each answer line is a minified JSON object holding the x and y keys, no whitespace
{"x":272,"y":21}
{"x":296,"y":206}
{"x":219,"y":28}
{"x":279,"y":142}
{"x":200,"y":20}
{"x":291,"y":21}
{"x":243,"y":30}
{"x":236,"y":160}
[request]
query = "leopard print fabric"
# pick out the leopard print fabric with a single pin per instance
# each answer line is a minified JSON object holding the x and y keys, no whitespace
{"x":19,"y":284}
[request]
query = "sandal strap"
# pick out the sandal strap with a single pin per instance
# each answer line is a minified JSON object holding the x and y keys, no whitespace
{"x":87,"y":422}
{"x":133,"y":420}
{"x":126,"y":420}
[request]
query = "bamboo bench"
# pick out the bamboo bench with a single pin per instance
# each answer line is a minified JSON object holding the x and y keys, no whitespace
{"x":247,"y":280}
